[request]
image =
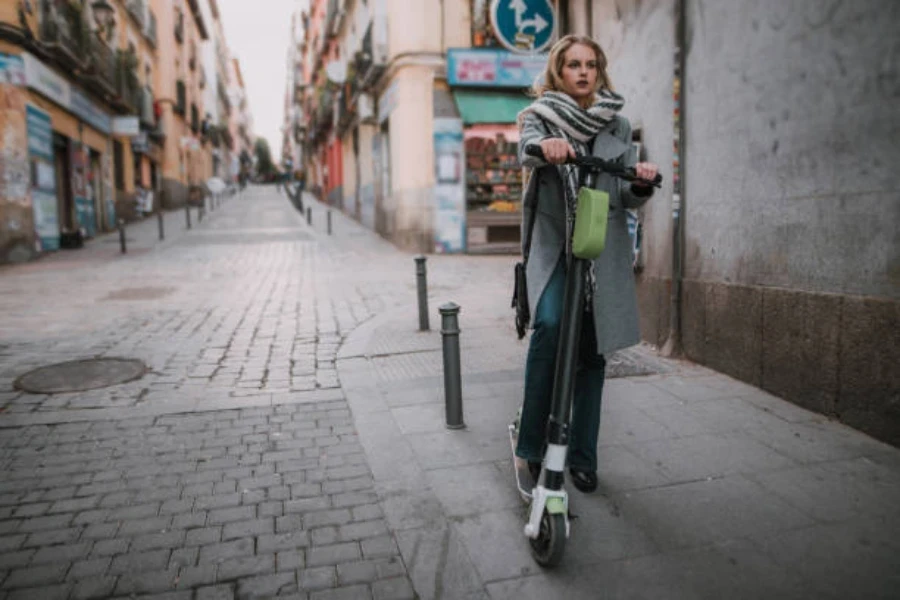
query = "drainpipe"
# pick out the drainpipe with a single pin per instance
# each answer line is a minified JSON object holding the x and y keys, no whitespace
{"x":673,"y":346}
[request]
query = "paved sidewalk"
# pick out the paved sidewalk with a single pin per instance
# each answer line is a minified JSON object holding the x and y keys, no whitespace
{"x":288,"y":439}
{"x":709,"y":488}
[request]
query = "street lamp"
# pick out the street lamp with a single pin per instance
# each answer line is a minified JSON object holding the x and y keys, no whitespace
{"x":104,"y":15}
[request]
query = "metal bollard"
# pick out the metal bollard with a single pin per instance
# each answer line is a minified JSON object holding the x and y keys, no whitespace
{"x":122,"y":242}
{"x":187,"y":214}
{"x":162,"y":227}
{"x":422,"y":289}
{"x":452,"y":370}
{"x":309,"y":215}
{"x":329,"y":222}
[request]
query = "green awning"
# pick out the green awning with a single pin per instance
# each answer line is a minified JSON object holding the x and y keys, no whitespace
{"x":481,"y":106}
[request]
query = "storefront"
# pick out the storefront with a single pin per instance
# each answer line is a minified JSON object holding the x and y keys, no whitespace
{"x":489,"y":89}
{"x":73,"y":164}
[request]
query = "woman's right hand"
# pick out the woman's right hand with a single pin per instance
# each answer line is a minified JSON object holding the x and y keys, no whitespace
{"x":557,"y":150}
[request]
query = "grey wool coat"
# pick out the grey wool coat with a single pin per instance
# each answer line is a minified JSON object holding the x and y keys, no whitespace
{"x":614,"y":299}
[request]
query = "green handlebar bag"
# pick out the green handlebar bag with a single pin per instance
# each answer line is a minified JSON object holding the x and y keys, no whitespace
{"x":589,"y":236}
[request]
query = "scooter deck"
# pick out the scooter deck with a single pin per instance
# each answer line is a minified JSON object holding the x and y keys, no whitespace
{"x":524,"y":481}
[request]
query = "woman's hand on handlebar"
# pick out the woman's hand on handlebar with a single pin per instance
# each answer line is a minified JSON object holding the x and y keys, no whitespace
{"x":646,"y":171}
{"x":557,"y":150}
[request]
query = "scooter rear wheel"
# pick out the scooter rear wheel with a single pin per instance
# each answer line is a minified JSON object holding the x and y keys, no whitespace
{"x":550,"y":545}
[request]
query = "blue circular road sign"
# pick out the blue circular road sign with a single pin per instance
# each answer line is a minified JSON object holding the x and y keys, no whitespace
{"x":523,"y":25}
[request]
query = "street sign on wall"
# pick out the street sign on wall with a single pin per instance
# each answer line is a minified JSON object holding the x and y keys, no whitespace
{"x":523,"y":25}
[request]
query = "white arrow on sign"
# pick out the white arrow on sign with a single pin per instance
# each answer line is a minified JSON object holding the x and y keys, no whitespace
{"x":538,"y":22}
{"x":519,"y":7}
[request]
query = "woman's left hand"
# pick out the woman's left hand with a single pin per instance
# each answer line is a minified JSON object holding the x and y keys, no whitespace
{"x":646,"y":171}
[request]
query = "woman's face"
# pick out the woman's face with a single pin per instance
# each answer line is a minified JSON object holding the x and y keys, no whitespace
{"x":579,"y":73}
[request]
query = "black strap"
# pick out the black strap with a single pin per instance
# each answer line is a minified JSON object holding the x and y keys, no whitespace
{"x":526,"y":250}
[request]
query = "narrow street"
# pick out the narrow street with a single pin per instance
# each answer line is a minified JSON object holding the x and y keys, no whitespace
{"x":234,"y":459}
{"x":287,"y":438}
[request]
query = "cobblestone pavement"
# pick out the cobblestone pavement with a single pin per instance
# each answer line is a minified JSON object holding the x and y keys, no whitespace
{"x":232,"y":469}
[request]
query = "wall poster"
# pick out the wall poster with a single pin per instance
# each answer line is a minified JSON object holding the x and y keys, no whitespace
{"x":449,"y":188}
{"x":43,"y":178}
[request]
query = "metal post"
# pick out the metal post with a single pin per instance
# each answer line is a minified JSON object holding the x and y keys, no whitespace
{"x":422,"y":289}
{"x":309,"y":215}
{"x":329,"y":222}
{"x":200,"y":214}
{"x":162,"y":227}
{"x":187,"y":214}
{"x":452,"y":371}
{"x":122,"y":242}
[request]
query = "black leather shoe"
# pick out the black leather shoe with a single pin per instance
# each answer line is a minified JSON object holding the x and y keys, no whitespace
{"x":535,"y":469}
{"x":585,"y":481}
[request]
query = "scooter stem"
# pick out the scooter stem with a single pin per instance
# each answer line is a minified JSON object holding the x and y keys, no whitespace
{"x":566,"y":362}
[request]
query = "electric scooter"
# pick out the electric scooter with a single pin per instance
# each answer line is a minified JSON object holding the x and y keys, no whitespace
{"x":548,"y":523}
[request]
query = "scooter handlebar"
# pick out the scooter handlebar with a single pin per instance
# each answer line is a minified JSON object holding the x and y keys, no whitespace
{"x":598,"y":164}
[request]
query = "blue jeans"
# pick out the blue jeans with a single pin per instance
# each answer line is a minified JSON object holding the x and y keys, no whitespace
{"x":540,"y":368}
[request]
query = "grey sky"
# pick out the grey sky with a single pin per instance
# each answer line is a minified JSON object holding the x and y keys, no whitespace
{"x":258,"y":33}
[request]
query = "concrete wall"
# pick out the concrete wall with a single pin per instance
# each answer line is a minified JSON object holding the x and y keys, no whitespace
{"x":639,"y":42}
{"x":409,"y":209}
{"x":792,"y":276}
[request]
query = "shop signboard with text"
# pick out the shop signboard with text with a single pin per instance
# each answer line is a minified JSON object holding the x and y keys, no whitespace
{"x":43,"y":184}
{"x":45,"y":80}
{"x":449,"y":188}
{"x":493,"y":67}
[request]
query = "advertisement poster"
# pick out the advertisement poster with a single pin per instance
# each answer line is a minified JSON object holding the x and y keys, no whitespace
{"x":493,"y":68}
{"x":43,"y":191}
{"x":449,"y":188}
{"x":84,"y":204}
{"x":109,"y":203}
{"x":12,"y":70}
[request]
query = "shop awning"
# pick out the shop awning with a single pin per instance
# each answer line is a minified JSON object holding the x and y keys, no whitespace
{"x":481,"y":106}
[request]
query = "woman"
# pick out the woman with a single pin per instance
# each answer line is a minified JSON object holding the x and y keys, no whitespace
{"x":576,"y":113}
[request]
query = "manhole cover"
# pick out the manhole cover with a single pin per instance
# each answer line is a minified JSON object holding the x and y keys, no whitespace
{"x":81,"y":375}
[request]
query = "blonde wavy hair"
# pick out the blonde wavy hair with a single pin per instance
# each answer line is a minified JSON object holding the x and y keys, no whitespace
{"x":551,"y":79}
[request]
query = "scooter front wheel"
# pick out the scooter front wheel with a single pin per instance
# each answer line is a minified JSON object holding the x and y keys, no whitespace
{"x":550,"y":545}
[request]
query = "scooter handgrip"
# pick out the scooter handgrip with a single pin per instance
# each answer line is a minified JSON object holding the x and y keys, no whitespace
{"x":534,"y":150}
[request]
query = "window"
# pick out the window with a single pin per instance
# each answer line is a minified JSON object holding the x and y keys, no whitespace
{"x":118,"y":161}
{"x":180,"y":97}
{"x":563,"y":14}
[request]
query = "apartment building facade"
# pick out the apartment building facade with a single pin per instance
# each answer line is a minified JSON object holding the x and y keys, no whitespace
{"x":396,"y":122}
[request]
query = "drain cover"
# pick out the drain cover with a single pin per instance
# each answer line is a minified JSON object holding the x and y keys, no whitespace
{"x":81,"y":375}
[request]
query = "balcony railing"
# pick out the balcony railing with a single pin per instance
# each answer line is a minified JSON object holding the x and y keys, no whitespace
{"x":64,"y":26}
{"x":127,"y":84}
{"x":103,"y":64}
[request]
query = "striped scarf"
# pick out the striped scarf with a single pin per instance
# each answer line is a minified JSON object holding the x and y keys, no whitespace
{"x":566,"y":119}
